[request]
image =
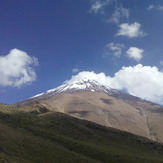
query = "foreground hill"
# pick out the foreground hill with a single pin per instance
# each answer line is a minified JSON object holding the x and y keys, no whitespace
{"x":34,"y":134}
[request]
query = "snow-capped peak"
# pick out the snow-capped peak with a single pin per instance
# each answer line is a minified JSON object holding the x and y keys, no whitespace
{"x":79,"y":84}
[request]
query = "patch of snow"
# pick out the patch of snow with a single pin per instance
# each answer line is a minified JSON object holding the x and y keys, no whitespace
{"x":37,"y":95}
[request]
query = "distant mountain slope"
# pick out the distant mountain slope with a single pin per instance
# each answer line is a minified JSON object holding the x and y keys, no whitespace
{"x":33,"y":134}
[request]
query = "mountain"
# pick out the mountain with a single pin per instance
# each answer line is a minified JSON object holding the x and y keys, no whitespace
{"x":31,"y":134}
{"x":78,"y":85}
{"x":93,"y":101}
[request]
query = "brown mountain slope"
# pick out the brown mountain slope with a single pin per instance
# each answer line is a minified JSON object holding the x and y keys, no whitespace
{"x":138,"y":117}
{"x":153,"y":114}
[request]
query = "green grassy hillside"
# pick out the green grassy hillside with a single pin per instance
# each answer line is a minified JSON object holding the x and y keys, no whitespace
{"x":49,"y":137}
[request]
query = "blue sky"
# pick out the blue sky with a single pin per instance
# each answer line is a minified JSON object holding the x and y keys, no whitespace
{"x":45,"y":42}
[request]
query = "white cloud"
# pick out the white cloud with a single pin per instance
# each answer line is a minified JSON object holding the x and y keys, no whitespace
{"x":135,"y":53}
{"x":109,"y":7}
{"x":120,"y":12}
{"x":75,"y":70}
{"x":98,"y":6}
{"x":158,"y":7}
{"x":161,"y":63}
{"x":115,"y":48}
{"x":130,"y":30}
{"x":150,"y":7}
{"x":142,"y":81}
{"x":16,"y":68}
{"x":101,"y":77}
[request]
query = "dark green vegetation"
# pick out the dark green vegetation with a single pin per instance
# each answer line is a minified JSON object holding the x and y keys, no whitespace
{"x":49,"y":137}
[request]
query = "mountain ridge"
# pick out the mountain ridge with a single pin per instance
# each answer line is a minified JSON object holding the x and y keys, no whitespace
{"x":85,"y":84}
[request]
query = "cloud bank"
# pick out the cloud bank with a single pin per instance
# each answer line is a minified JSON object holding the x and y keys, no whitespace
{"x":142,"y":81}
{"x":16,"y":68}
{"x":130,"y":30}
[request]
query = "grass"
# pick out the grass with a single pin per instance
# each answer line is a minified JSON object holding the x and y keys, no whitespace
{"x":31,"y":137}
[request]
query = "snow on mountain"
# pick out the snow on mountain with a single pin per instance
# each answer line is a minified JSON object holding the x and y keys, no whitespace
{"x":84,"y":84}
{"x":78,"y":85}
